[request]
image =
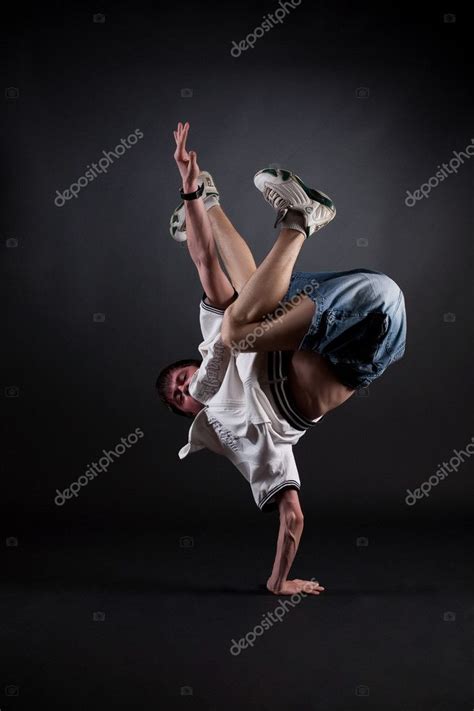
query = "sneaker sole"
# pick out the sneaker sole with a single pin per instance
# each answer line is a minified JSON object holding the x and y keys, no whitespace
{"x":310,"y":192}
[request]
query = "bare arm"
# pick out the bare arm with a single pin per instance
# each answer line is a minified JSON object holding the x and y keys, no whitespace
{"x":289,"y":536}
{"x":200,"y":240}
{"x":203,"y":252}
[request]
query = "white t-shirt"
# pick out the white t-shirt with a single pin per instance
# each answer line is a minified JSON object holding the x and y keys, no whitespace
{"x":248,"y":415}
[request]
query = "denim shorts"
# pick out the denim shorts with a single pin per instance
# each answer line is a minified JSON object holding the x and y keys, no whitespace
{"x":359,"y":325}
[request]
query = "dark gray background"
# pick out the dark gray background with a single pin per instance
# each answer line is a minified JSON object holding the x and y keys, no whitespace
{"x":174,"y":555}
{"x":292,"y":100}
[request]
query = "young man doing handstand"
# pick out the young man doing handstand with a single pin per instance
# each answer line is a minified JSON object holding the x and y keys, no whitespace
{"x":281,"y":348}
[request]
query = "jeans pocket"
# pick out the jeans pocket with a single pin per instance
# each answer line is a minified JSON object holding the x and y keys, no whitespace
{"x":352,"y":338}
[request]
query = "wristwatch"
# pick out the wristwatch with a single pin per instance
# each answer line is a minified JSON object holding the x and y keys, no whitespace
{"x":192,"y":196}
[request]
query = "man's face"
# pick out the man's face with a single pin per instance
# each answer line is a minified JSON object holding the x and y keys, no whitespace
{"x":178,"y":392}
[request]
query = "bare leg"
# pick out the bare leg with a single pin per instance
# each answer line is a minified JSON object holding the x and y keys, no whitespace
{"x":267,"y":285}
{"x":245,"y":325}
{"x":277,"y":333}
{"x":286,"y":330}
{"x":233,"y":249}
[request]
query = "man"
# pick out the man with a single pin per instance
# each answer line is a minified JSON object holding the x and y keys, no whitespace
{"x":281,"y":348}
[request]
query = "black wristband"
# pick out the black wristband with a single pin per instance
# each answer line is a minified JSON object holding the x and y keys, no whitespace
{"x":192,"y":196}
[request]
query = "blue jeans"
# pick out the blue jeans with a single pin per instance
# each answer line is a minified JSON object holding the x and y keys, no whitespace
{"x":359,"y":325}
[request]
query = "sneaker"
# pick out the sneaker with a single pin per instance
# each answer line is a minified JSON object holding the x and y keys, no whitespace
{"x":210,"y":197}
{"x":286,"y":191}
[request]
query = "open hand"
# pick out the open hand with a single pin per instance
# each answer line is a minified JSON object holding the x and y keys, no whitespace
{"x":186,"y":162}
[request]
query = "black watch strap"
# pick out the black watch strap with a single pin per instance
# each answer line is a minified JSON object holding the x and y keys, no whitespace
{"x":192,"y":196}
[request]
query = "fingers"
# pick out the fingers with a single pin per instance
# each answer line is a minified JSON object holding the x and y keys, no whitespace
{"x":312,"y":587}
{"x":182,"y":128}
{"x":314,"y":591}
{"x":184,"y":135}
{"x":180,"y":135}
{"x":192,"y":172}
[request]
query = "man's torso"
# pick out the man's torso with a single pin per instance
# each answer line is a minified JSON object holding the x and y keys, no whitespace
{"x":313,"y":385}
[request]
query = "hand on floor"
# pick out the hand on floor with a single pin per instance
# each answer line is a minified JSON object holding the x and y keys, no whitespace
{"x":290,"y":587}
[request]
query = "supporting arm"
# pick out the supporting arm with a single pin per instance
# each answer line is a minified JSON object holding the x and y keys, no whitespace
{"x":289,"y":536}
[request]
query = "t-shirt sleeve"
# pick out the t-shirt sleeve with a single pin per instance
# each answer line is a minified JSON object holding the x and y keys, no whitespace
{"x":268,"y":466}
{"x":210,"y":317}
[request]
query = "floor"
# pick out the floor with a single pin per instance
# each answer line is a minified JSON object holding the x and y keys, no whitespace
{"x":133,"y":619}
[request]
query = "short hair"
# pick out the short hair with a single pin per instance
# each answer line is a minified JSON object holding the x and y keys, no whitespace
{"x":164,"y":379}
